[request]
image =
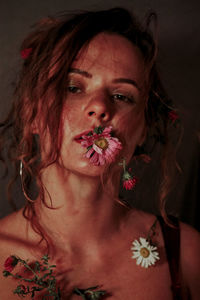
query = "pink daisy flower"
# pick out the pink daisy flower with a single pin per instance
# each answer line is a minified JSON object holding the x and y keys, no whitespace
{"x":101,"y":147}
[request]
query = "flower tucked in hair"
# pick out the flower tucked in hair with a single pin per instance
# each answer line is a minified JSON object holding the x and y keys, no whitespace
{"x":173,"y":116}
{"x":101,"y":146}
{"x":26,"y":52}
{"x":10,"y":263}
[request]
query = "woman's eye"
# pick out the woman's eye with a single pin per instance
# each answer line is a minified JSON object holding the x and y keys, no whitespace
{"x":123,"y":98}
{"x":73,"y":89}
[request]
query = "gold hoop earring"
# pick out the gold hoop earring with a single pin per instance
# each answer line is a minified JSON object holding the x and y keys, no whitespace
{"x":22,"y":182}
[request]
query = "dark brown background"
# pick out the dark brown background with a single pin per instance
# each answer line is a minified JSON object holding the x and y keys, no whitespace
{"x":179,"y":63}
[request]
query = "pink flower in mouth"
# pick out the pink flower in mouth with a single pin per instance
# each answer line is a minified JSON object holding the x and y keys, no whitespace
{"x":101,"y":147}
{"x":10,"y":263}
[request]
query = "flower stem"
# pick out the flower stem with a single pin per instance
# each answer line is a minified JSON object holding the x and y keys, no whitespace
{"x":29,"y":268}
{"x":124,"y":164}
{"x":152,"y":231}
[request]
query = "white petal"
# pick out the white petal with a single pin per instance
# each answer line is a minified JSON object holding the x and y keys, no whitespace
{"x":143,"y":262}
{"x":136,"y":248}
{"x":136,"y":243}
{"x":150,"y":260}
{"x":153,"y":248}
{"x":138,"y":261}
{"x":144,"y":242}
{"x":156,"y":256}
{"x":136,"y":254}
{"x":148,"y":263}
{"x":97,"y":149}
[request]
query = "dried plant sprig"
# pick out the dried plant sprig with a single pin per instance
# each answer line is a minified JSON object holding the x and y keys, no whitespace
{"x":90,"y":293}
{"x":152,"y":232}
{"x":41,"y":278}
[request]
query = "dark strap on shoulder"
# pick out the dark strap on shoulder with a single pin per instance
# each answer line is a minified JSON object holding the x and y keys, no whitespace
{"x":171,"y":235}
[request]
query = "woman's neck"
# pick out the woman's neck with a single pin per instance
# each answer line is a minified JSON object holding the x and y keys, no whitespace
{"x":81,"y":209}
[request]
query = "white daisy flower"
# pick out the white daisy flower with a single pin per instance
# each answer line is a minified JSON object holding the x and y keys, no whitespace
{"x":144,"y":253}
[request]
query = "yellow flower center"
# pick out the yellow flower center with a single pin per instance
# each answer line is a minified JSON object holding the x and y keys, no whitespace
{"x":144,"y":252}
{"x":102,"y":143}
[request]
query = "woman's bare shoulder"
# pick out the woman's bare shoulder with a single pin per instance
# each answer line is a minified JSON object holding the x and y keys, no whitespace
{"x":141,"y":217}
{"x":140,"y":222}
{"x":190,"y":258}
{"x":12,"y":227}
{"x":9,"y":233}
{"x":13,"y":235}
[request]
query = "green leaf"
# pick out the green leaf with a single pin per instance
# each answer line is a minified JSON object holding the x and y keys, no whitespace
{"x":89,"y":133}
{"x":79,"y":292}
{"x":46,"y":282}
{"x":89,"y":147}
{"x":99,"y":130}
{"x":90,"y":293}
{"x":37,"y":266}
{"x":6,"y":273}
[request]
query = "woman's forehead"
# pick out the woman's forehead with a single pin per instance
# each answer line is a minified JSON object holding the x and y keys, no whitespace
{"x":110,"y":51}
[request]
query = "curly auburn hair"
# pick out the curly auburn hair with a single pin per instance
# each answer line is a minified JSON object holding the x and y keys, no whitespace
{"x":41,"y":90}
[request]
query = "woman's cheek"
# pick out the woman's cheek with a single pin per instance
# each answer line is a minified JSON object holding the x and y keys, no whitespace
{"x":69,"y":116}
{"x":133,"y":130}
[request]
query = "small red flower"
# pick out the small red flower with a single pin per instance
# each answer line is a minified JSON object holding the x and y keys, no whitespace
{"x":173,"y":116}
{"x":26,"y":52}
{"x":129,"y":184}
{"x":129,"y":181}
{"x":10,"y":263}
{"x":146,"y":158}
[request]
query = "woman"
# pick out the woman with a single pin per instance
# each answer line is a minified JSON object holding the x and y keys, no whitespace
{"x":87,"y":98}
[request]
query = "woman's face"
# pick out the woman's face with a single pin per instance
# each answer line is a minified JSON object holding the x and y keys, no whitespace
{"x":105,"y":87}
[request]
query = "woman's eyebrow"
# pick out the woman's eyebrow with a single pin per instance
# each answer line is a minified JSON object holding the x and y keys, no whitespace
{"x":117,"y":80}
{"x":127,"y":80}
{"x":81,"y":72}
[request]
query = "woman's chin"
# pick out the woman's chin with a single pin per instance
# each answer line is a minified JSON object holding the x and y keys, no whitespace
{"x":89,"y":169}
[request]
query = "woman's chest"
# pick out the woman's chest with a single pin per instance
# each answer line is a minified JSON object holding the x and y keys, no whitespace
{"x":116,"y":276}
{"x":120,"y":278}
{"x":111,"y":269}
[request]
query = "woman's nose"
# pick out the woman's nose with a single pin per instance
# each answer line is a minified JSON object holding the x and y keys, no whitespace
{"x":98,"y":109}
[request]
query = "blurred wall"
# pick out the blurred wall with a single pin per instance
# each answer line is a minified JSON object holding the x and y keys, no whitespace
{"x":179,"y":64}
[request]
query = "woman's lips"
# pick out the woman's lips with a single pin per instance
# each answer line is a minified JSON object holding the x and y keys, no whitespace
{"x":78,"y":138}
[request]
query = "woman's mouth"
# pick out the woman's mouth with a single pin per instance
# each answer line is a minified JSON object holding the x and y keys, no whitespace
{"x":78,"y":138}
{"x":101,"y":146}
